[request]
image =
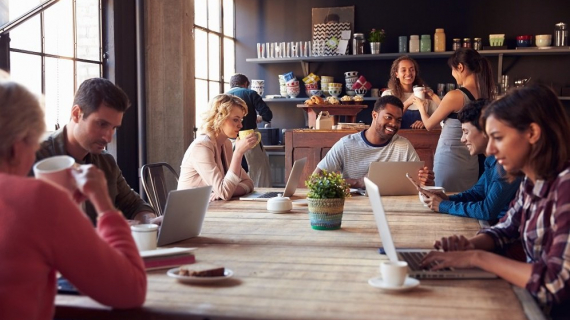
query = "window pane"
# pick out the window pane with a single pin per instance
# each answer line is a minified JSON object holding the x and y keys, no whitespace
{"x":18,"y":7}
{"x":27,"y":36}
{"x":201,"y":50}
{"x":229,"y":59}
{"x":226,"y":86}
{"x":88,"y":38}
{"x":201,"y":101}
{"x":214,"y":15}
{"x":87,"y":71}
{"x":201,"y":13}
{"x":229,"y":18}
{"x":26,"y":69}
{"x":58,"y":27}
{"x":59,"y":91}
{"x":214,"y":56}
{"x":214,"y":89}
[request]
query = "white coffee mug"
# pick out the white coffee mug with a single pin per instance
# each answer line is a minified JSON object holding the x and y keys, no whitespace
{"x":145,"y":236}
{"x":394,"y":273}
{"x":419,"y":92}
{"x":55,"y":170}
{"x":432,"y":189}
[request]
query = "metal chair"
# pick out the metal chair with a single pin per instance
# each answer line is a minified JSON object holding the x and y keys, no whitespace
{"x":156,"y":184}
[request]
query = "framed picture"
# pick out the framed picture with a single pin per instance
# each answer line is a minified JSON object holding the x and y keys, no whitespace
{"x":328,"y":25}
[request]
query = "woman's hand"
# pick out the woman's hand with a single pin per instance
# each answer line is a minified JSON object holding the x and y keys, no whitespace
{"x":454,"y":243}
{"x":246,"y":144}
{"x":417,"y":125}
{"x":91,"y":183}
{"x":408,"y":102}
{"x":421,"y":103}
{"x":432,"y":200}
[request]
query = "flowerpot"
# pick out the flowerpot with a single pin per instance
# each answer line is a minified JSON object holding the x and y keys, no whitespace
{"x":375,"y":47}
{"x":325,"y":214}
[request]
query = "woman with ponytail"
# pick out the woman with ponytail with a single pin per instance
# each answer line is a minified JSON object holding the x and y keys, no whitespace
{"x":454,"y":168}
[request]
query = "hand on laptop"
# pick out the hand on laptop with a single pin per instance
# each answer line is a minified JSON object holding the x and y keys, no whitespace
{"x":454,"y":243}
{"x":443,"y":260}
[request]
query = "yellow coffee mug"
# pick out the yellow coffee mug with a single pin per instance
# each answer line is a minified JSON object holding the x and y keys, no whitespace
{"x":245,"y":133}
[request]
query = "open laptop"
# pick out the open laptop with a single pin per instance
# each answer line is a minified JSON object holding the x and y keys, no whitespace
{"x":390,"y":177}
{"x":183,"y":214}
{"x":290,"y":187}
{"x":412,"y":256}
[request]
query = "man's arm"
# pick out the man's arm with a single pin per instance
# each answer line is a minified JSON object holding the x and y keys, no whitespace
{"x":261,"y":107}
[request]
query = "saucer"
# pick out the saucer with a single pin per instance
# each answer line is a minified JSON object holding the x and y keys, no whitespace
{"x":191,"y":279}
{"x":409,"y":284}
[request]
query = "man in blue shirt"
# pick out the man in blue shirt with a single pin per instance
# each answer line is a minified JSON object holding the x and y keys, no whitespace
{"x":490,"y":197}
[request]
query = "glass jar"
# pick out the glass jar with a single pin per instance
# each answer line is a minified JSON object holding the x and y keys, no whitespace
{"x":439,"y":40}
{"x":425,"y":43}
{"x":561,"y":34}
{"x":414,"y":43}
{"x":358,"y":44}
{"x":456,"y":44}
{"x":466,"y":42}
{"x":477,"y":44}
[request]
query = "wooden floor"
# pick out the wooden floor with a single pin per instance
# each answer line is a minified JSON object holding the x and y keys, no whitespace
{"x":285,"y":270}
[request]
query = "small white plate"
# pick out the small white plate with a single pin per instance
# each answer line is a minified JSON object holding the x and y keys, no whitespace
{"x":409,"y":284}
{"x":191,"y":279}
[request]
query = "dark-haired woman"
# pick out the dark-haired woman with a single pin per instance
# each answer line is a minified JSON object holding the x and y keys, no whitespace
{"x":528,"y":135}
{"x":455,"y":169}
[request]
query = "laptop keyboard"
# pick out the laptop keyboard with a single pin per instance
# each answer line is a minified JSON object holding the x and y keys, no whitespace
{"x":414,"y":260}
{"x":271,"y":194}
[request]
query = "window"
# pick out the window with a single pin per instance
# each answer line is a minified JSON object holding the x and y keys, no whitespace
{"x":214,"y":37}
{"x":55,"y":50}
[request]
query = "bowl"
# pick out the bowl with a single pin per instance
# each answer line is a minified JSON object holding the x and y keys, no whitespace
{"x":335,"y":92}
{"x":543,"y":40}
{"x":496,"y":40}
{"x":317,"y":93}
{"x":523,"y":41}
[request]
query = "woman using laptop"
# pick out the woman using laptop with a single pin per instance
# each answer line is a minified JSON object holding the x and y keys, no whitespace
{"x":43,"y":231}
{"x":528,"y":135}
{"x":210,"y":161}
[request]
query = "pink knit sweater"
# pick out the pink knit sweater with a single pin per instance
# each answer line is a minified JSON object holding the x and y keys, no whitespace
{"x":41,"y":231}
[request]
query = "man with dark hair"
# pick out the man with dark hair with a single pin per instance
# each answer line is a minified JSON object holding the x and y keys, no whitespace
{"x":257,"y":162}
{"x":489,"y":198}
{"x":97,"y":112}
{"x":353,"y":154}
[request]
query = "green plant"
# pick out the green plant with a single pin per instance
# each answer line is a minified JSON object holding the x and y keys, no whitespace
{"x":327,"y":185}
{"x":377,"y":35}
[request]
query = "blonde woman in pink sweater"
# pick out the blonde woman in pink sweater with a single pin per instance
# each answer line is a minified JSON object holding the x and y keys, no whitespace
{"x":43,"y":231}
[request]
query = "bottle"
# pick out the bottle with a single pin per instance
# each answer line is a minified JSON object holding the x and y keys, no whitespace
{"x":425,"y":43}
{"x":402,"y":44}
{"x":456,"y":44}
{"x":414,"y":43}
{"x":561,"y":34}
{"x":439,"y":40}
{"x":358,"y":44}
{"x":477,"y":44}
{"x":467,"y":43}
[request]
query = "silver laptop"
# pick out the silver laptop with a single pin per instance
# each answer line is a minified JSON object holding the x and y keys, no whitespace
{"x":290,"y":187}
{"x":390,"y":177}
{"x":184,"y":214}
{"x":412,"y":256}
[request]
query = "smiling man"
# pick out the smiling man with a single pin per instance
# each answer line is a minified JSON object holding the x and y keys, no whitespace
{"x":353,"y":154}
{"x":96,"y":114}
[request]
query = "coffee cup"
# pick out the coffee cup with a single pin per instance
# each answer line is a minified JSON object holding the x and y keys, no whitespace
{"x":431,"y":189}
{"x":394,"y":273}
{"x":145,"y":236}
{"x":419,"y":92}
{"x":245,"y":133}
{"x":55,"y":170}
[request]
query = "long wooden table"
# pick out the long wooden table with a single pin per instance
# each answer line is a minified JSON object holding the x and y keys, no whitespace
{"x":285,"y":270}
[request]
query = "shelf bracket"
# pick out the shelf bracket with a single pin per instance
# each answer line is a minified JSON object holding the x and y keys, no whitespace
{"x":305,"y":66}
{"x":500,"y":67}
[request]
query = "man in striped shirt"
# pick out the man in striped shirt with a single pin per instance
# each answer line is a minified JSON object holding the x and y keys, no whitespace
{"x":353,"y":154}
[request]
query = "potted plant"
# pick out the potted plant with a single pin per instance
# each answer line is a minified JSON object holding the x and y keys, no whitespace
{"x":327,"y":191}
{"x":376,"y":37}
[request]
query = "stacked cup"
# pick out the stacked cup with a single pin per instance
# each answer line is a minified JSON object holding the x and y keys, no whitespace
{"x":335,"y":89}
{"x":350,"y":78}
{"x":282,"y":85}
{"x":325,"y":80}
{"x":258,"y":86}
{"x":311,"y":83}
{"x":293,"y":88}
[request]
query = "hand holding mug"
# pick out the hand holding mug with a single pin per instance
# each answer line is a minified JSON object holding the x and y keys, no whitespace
{"x":248,"y":139}
{"x":92,"y":184}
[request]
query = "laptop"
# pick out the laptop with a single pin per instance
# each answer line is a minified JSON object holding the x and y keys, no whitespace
{"x":390,"y":177}
{"x":412,"y":256}
{"x":290,"y":187}
{"x":183,"y":214}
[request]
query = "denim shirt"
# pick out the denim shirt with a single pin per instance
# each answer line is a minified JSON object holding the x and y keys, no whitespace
{"x":488,"y":199}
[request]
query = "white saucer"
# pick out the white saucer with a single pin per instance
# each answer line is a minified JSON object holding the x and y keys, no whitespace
{"x":409,"y":284}
{"x":191,"y":279}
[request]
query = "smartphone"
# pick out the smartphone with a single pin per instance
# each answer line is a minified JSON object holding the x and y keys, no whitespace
{"x":417,"y":185}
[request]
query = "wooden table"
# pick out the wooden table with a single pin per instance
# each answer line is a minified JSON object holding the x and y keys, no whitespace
{"x":285,"y":270}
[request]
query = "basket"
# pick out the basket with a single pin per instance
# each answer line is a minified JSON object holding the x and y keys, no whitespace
{"x":325,"y":214}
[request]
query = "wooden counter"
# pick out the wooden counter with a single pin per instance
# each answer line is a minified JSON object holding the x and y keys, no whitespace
{"x":314,"y":144}
{"x":348,"y":110}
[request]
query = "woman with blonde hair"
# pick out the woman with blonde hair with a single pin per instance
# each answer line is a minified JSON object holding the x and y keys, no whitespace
{"x":43,"y":231}
{"x":404,"y":75}
{"x":210,"y":161}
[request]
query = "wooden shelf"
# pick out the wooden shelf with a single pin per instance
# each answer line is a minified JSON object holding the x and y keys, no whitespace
{"x":348,"y":110}
{"x":289,"y":100}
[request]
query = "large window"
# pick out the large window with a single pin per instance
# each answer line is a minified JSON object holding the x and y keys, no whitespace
{"x":54,"y":51}
{"x":214,"y":50}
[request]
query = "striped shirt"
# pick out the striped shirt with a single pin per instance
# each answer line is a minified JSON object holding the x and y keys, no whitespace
{"x":353,"y":154}
{"x":541,"y":212}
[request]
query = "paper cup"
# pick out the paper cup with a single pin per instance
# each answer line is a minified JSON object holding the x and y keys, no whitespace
{"x":419,"y":92}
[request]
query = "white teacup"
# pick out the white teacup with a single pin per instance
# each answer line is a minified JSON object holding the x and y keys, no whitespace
{"x":245,"y":133}
{"x":431,"y":189}
{"x":145,"y":236}
{"x":394,"y":273}
{"x":55,"y":170}
{"x":419,"y":92}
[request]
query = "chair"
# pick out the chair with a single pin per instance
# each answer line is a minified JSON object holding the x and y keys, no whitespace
{"x":156,"y":184}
